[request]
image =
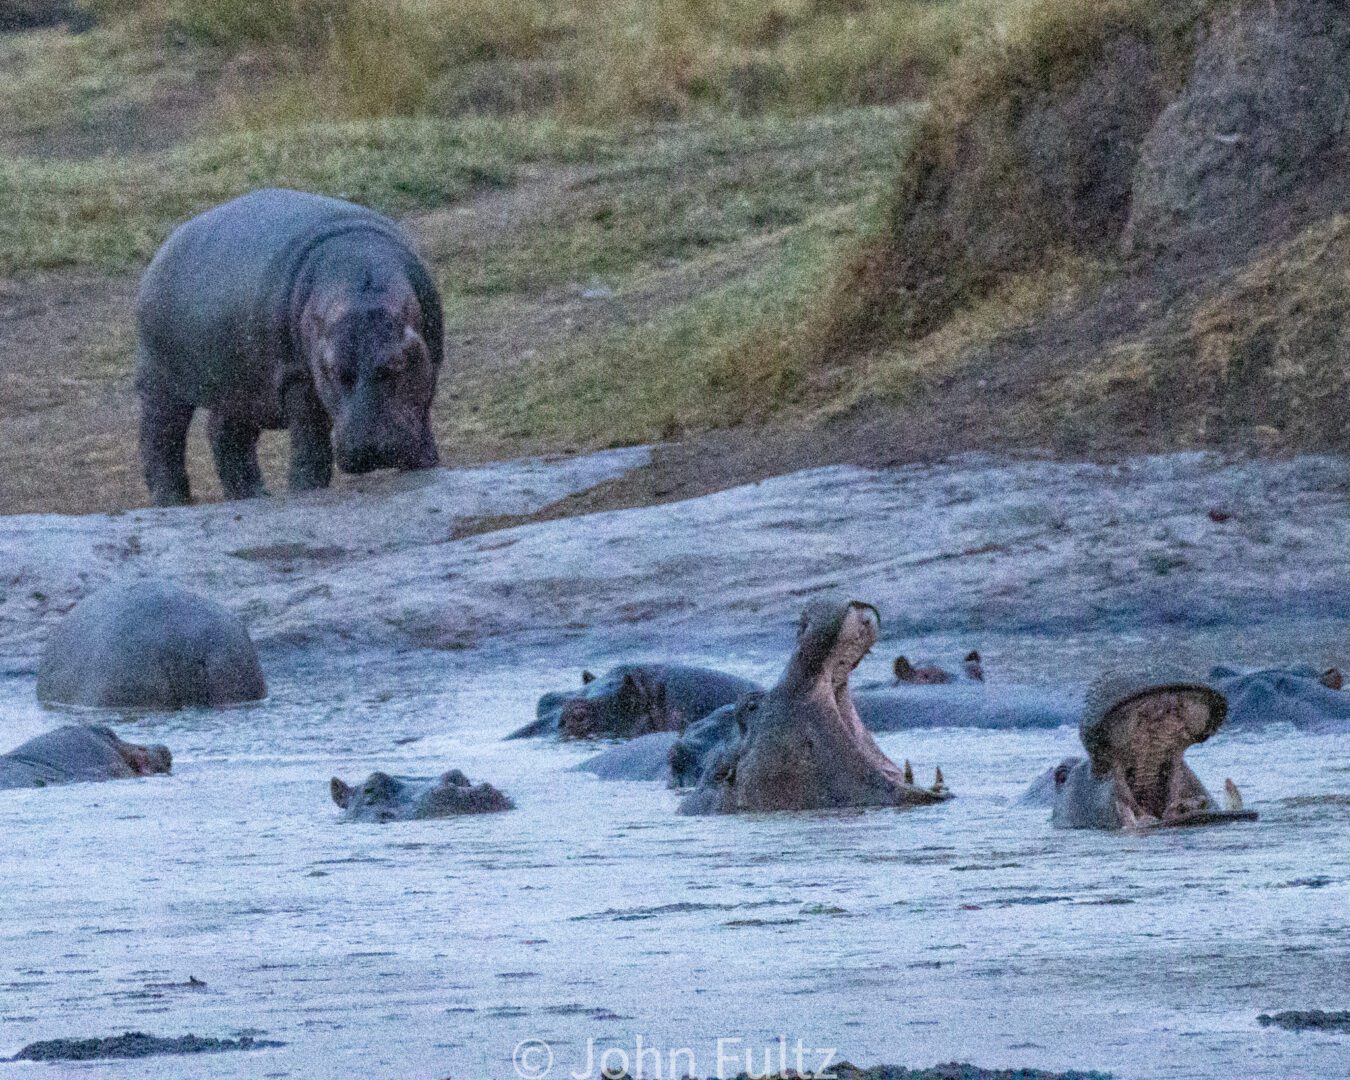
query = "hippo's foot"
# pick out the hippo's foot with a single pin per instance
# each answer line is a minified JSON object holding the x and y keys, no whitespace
{"x":174,"y":496}
{"x":251,"y":491}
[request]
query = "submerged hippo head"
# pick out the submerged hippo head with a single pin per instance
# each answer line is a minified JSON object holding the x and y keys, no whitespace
{"x":376,"y":378}
{"x":80,"y":752}
{"x":628,"y":701}
{"x":931,"y":674}
{"x":634,"y":699}
{"x":394,"y":798}
{"x":149,"y":760}
{"x":1136,"y":730}
{"x":802,"y":745}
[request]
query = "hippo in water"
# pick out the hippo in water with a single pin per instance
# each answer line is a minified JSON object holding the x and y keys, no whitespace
{"x":399,"y":798}
{"x":149,"y":645}
{"x":79,"y":752}
{"x":634,"y":699}
{"x":930,"y":674}
{"x":802,"y":746}
{"x":1136,"y":729}
{"x":285,"y":309}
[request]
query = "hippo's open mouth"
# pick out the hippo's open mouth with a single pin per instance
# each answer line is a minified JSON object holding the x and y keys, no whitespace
{"x":1143,"y":742}
{"x":858,"y":631}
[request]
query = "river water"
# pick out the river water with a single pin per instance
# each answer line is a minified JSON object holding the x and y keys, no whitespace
{"x":594,"y":916}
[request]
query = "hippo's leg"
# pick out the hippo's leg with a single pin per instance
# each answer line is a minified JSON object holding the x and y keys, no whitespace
{"x":164,"y":426}
{"x":311,"y":440}
{"x":234,"y":444}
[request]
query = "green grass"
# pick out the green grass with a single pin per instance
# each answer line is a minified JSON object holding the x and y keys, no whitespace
{"x":681,"y":193}
{"x":50,"y":77}
{"x":678,"y":373}
{"x":585,"y":59}
{"x":112,"y":213}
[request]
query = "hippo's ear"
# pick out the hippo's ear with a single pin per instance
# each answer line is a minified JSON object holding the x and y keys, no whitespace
{"x":629,"y":690}
{"x":904,"y":670}
{"x":746,"y":708}
{"x":587,"y":677}
{"x":973,"y":657}
{"x":342,"y":794}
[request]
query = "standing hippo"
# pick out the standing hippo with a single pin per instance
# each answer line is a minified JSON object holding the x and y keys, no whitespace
{"x":1136,"y":728}
{"x":395,"y":798}
{"x":284,"y":309}
{"x":149,"y":645}
{"x":802,"y":746}
{"x":634,"y":699}
{"x":80,"y":752}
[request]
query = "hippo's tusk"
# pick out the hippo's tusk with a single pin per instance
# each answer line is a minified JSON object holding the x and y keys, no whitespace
{"x":1232,"y":796}
{"x":938,"y":786}
{"x":909,"y":772}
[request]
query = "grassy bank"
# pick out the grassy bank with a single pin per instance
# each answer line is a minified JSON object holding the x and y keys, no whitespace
{"x":587,"y":59}
{"x":111,"y":213}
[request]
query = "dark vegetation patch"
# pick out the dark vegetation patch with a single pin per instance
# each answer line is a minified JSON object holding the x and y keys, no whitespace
{"x":1307,"y":1020}
{"x":134,"y":1044}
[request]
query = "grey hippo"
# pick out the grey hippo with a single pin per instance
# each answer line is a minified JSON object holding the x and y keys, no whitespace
{"x":281,"y":309}
{"x":802,"y":745}
{"x":677,"y":758}
{"x":930,"y":674}
{"x":634,"y":699}
{"x":79,"y":752}
{"x":1136,"y":729}
{"x":399,"y":798}
{"x":149,"y":645}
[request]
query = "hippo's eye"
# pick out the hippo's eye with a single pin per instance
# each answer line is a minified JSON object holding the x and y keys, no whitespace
{"x":347,"y":378}
{"x":1061,"y":774}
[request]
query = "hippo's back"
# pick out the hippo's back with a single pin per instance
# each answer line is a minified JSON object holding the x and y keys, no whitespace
{"x":149,"y":645}
{"x":697,"y":692}
{"x":216,"y":292}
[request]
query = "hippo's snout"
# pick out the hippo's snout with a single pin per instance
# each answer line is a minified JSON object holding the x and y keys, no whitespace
{"x":150,"y":760}
{"x":356,"y":456}
{"x":579,"y":720}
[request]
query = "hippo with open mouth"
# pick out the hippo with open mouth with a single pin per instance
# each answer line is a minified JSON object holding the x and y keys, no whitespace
{"x":1136,"y":729}
{"x":634,"y":699}
{"x":80,"y":752}
{"x":399,"y":798}
{"x":802,"y":746}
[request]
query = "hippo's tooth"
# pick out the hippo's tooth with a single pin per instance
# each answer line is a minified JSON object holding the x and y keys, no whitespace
{"x":1232,"y":796}
{"x":909,"y":772}
{"x":938,"y":785}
